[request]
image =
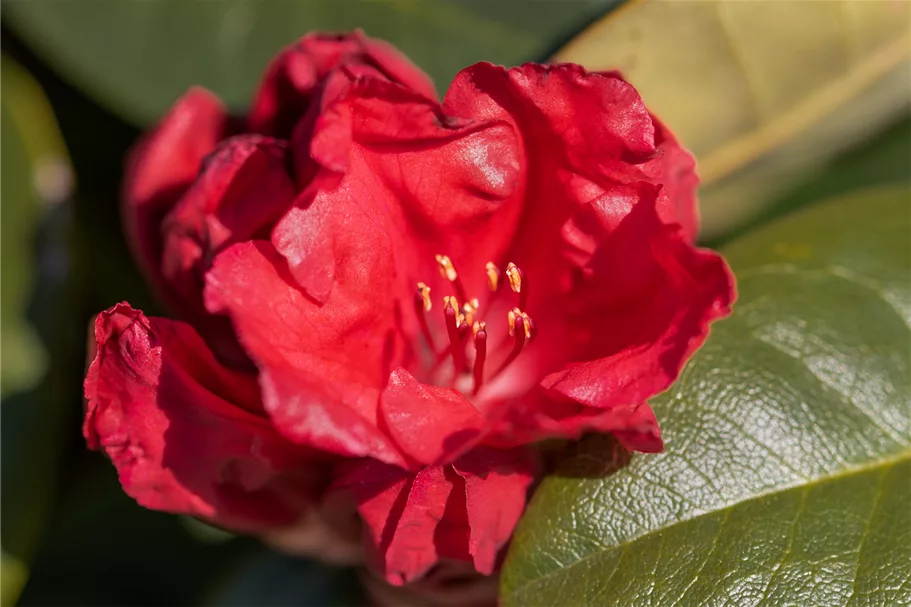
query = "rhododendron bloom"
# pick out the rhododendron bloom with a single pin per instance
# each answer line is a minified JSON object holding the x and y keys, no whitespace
{"x":390,"y":299}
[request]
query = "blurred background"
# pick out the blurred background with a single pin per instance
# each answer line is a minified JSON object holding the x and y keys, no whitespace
{"x":783,"y":103}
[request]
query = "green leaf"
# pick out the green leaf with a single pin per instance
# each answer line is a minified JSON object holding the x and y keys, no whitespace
{"x":34,"y":163}
{"x":879,"y":162}
{"x":138,"y":57}
{"x":36,"y":176}
{"x":785,"y":478}
{"x":762,"y":92}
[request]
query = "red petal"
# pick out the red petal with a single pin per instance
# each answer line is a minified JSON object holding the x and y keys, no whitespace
{"x":593,"y":118}
{"x":163,"y":410}
{"x":413,"y":522}
{"x":336,"y":84}
{"x":584,"y":134}
{"x":639,"y":431}
{"x":429,"y":424}
{"x":321,"y":367}
{"x":329,"y":417}
{"x":413,"y":550}
{"x":402,"y":515}
{"x":162,"y":167}
{"x":445,"y":183}
{"x":380,"y":492}
{"x":397,"y":67}
{"x":292,"y":80}
{"x":536,"y":418}
{"x":304,"y":236}
{"x":642,"y":310}
{"x":496,"y":488}
{"x":675,"y":169}
{"x":242,"y":189}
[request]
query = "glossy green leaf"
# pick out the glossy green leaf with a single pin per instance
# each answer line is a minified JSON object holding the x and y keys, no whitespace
{"x":138,"y":57}
{"x":786,"y":478}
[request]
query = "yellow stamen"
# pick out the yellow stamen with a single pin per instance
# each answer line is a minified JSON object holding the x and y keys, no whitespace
{"x":450,"y":301}
{"x":478,"y":326}
{"x":447,"y":270}
{"x":424,"y":292}
{"x":528,"y":324}
{"x":493,"y":276}
{"x":470,"y":309}
{"x":514,"y":275}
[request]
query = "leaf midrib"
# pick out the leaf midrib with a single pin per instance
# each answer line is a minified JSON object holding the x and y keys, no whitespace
{"x":879,"y":464}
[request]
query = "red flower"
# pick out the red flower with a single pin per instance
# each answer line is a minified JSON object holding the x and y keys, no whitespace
{"x":425,"y":290}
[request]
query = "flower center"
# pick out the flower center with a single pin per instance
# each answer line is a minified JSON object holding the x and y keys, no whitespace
{"x":461,"y":319}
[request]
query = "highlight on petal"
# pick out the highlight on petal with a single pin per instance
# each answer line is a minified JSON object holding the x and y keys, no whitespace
{"x":158,"y":405}
{"x":595,"y":118}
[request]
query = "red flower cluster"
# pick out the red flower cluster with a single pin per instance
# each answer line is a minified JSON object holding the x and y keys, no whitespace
{"x":391,"y":298}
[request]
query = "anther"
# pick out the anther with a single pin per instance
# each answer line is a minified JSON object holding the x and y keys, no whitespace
{"x":480,"y":346}
{"x":514,"y":275}
{"x":478,"y":326}
{"x":519,"y":332}
{"x":448,"y":271}
{"x":470,"y":309}
{"x":531,"y":329}
{"x":511,"y":317}
{"x":451,"y":314}
{"x":422,"y":305}
{"x":518,"y":283}
{"x":424,"y":294}
{"x":493,"y":276}
{"x":450,"y":301}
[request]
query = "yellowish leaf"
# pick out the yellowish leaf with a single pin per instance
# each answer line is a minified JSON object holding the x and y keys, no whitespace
{"x":764,"y":91}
